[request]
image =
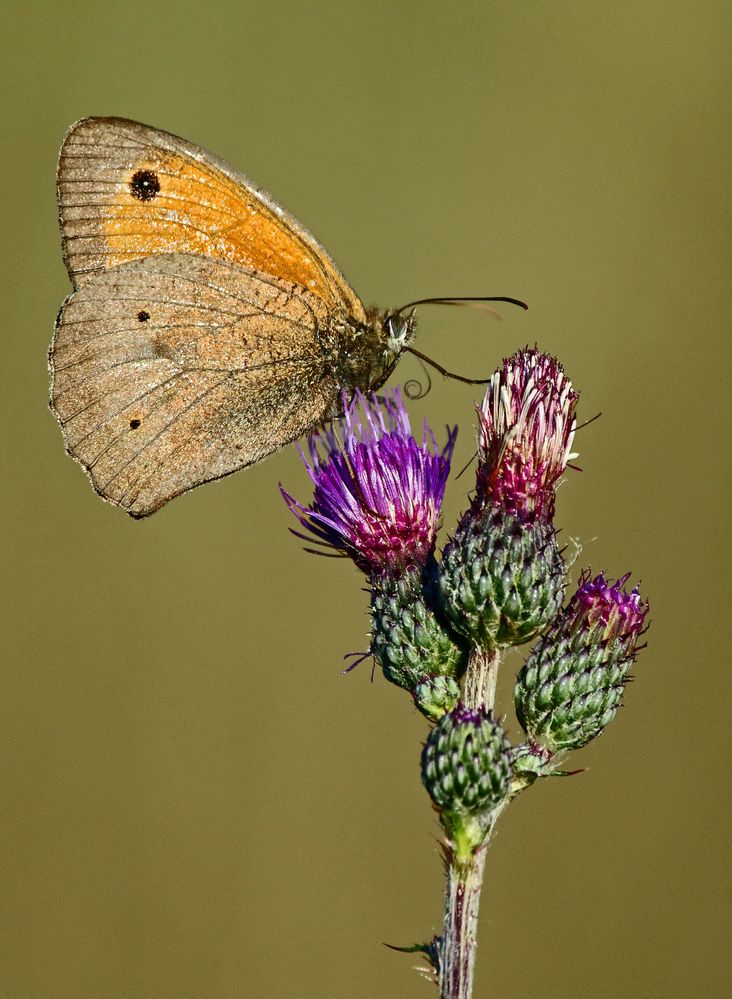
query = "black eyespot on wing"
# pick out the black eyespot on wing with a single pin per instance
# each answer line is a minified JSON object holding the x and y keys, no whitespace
{"x":144,"y":185}
{"x":134,"y":424}
{"x":143,"y":316}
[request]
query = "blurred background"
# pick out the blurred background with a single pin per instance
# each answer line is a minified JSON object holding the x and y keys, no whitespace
{"x":195,"y":804}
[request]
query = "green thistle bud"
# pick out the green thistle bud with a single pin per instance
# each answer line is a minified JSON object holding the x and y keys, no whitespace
{"x":434,"y":695}
{"x":572,"y":683}
{"x":501,"y":577}
{"x":407,"y":640}
{"x":466,"y":763}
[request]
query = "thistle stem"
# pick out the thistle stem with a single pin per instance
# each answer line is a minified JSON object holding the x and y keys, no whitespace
{"x":465,"y":868}
{"x":479,"y":687}
{"x":460,"y":934}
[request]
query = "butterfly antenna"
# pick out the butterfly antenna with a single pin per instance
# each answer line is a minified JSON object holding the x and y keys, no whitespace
{"x":475,"y":302}
{"x":471,"y":302}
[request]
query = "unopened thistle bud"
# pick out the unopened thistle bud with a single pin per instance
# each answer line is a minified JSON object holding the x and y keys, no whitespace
{"x":572,"y":683}
{"x":436,"y":695}
{"x":377,"y":499}
{"x":502,"y":576}
{"x":407,"y":639}
{"x":466,"y":762}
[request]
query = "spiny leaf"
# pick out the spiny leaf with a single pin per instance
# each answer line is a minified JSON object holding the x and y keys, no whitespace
{"x":430,"y":950}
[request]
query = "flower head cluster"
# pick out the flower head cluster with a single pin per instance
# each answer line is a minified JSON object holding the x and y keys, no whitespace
{"x":602,"y":611}
{"x":526,"y":429}
{"x":378,"y":491}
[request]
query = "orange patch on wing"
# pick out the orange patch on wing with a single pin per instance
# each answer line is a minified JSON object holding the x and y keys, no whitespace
{"x":198,"y":211}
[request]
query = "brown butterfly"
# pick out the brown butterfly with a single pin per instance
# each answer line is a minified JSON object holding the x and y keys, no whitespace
{"x":206,"y":329}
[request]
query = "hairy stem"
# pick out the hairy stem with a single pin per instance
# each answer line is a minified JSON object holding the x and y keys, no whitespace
{"x":479,"y":685}
{"x":460,"y":934}
{"x":465,"y":868}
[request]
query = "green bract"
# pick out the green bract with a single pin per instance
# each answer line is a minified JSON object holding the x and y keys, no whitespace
{"x":466,"y":762}
{"x":434,"y":695}
{"x":501,"y":578}
{"x":572,"y":683}
{"x":407,"y":640}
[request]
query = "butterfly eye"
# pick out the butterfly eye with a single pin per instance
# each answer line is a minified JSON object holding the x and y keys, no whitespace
{"x":400,"y":329}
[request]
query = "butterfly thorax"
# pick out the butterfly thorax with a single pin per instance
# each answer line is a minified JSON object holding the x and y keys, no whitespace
{"x":362,"y":355}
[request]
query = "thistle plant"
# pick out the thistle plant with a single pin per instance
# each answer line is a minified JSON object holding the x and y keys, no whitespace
{"x":439,"y":626}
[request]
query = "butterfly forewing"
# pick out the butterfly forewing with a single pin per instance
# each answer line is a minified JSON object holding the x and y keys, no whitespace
{"x":128,"y":191}
{"x":176,"y":369}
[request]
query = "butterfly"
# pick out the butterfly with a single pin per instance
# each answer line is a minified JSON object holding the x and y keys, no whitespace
{"x":207,"y":328}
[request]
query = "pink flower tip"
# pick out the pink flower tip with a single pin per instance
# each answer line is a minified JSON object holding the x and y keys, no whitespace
{"x":527,"y":426}
{"x":608,"y":609}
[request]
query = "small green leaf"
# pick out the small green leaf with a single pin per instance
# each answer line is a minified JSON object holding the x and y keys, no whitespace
{"x":431,"y":951}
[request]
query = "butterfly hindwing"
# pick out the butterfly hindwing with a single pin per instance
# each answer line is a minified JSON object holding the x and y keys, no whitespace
{"x":174,"y":370}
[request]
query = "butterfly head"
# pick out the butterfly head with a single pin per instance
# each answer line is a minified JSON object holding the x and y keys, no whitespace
{"x":396,"y":333}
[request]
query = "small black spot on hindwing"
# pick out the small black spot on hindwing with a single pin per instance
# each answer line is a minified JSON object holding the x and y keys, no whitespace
{"x":143,"y":316}
{"x":134,"y":424}
{"x":144,"y":185}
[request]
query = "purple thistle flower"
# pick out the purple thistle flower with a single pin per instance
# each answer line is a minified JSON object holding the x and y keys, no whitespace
{"x":378,"y":492}
{"x":526,"y":429}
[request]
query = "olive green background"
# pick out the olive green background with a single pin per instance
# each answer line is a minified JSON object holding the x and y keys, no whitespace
{"x":195,"y":804}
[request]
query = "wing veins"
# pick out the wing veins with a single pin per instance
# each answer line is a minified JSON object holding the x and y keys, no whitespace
{"x":153,"y":388}
{"x":258,"y":310}
{"x":164,"y":430}
{"x":122,"y":433}
{"x":182,"y":446}
{"x":154,"y":301}
{"x":161,"y":196}
{"x":183,"y":223}
{"x":294,"y":359}
{"x":131,"y":329}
